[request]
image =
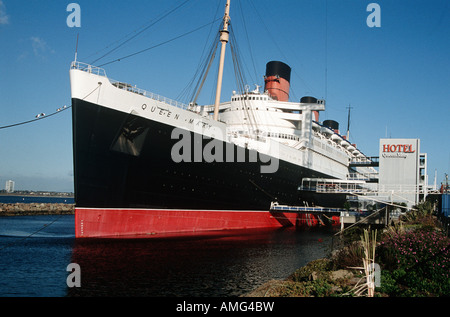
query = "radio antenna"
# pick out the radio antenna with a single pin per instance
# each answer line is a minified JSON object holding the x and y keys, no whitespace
{"x":76,"y":49}
{"x":348,"y":122}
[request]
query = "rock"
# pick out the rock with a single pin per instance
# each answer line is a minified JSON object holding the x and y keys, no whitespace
{"x":336,"y":289}
{"x":341,"y":274}
{"x":22,"y":209}
{"x":265,"y":289}
{"x":356,"y":280}
{"x":313,"y":276}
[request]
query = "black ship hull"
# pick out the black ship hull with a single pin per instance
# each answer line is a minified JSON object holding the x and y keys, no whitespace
{"x":123,"y":163}
{"x":110,"y":175}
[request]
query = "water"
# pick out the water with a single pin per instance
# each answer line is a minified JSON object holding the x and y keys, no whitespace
{"x":7,"y":199}
{"x":35,"y":266}
{"x":212,"y":265}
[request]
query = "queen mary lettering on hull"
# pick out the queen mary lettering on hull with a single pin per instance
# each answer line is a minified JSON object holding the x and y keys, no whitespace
{"x":147,"y":165}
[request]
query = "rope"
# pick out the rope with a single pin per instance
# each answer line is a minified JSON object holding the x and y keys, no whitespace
{"x":21,"y":123}
{"x":46,"y":116}
{"x":30,"y":121}
{"x":32,"y":234}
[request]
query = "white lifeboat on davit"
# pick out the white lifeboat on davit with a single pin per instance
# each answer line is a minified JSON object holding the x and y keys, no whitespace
{"x":336,"y":138}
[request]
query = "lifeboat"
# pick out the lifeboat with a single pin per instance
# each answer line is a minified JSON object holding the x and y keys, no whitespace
{"x":336,"y":138}
{"x":326,"y":131}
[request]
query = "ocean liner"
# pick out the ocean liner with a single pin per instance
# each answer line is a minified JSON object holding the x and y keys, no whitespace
{"x":145,"y":165}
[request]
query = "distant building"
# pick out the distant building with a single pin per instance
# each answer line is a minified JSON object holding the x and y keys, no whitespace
{"x":403,"y":170}
{"x":9,"y":186}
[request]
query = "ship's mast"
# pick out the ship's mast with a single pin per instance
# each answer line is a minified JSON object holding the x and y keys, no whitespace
{"x":348,"y":122}
{"x":224,"y":36}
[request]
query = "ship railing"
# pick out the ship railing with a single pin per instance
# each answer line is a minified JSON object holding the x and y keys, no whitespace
{"x":365,"y":161}
{"x":403,"y":188}
{"x":275,"y":206}
{"x":363,"y":176}
{"x":128,"y":87}
{"x":148,"y":94}
{"x":340,"y":188}
{"x":88,"y":68}
{"x":321,"y":185}
{"x":359,"y":187}
{"x":252,"y":135}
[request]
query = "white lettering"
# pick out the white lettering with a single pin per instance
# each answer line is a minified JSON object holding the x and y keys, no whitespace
{"x":181,"y":151}
{"x":213,"y":151}
{"x":193,"y":307}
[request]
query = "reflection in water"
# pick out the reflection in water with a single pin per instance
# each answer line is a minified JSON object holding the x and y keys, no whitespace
{"x":224,"y":264}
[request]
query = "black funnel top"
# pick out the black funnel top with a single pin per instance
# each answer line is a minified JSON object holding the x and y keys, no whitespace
{"x":275,"y":68}
{"x":334,"y":125}
{"x":308,"y":99}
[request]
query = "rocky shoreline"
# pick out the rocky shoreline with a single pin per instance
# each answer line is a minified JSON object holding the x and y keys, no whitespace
{"x":413,"y":255}
{"x":34,"y":209}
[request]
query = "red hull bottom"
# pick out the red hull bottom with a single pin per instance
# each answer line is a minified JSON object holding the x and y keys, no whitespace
{"x":98,"y":222}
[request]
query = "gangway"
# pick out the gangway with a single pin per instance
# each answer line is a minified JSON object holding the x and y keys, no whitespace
{"x":345,"y":216}
{"x":373,"y":161}
{"x":305,"y":209}
{"x":336,"y":186}
{"x":360,"y":187}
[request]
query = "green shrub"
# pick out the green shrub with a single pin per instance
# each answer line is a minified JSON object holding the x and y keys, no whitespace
{"x":350,"y":256}
{"x":415,"y":263}
{"x":320,"y":266}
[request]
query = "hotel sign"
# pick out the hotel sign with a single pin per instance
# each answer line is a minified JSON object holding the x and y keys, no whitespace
{"x":399,"y":168}
{"x":397,"y":150}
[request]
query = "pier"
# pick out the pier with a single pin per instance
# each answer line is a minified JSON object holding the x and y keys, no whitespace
{"x":346,"y":216}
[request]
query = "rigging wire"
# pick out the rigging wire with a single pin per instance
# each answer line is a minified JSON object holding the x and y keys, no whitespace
{"x":326,"y":49}
{"x":280,"y":50}
{"x":142,"y":31}
{"x":248,"y":41}
{"x":160,"y":44}
{"x":187,"y":93}
{"x":200,"y":84}
{"x":191,"y":91}
{"x":240,"y":79}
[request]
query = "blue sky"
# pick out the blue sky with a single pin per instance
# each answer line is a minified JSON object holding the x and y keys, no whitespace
{"x":396,"y":77}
